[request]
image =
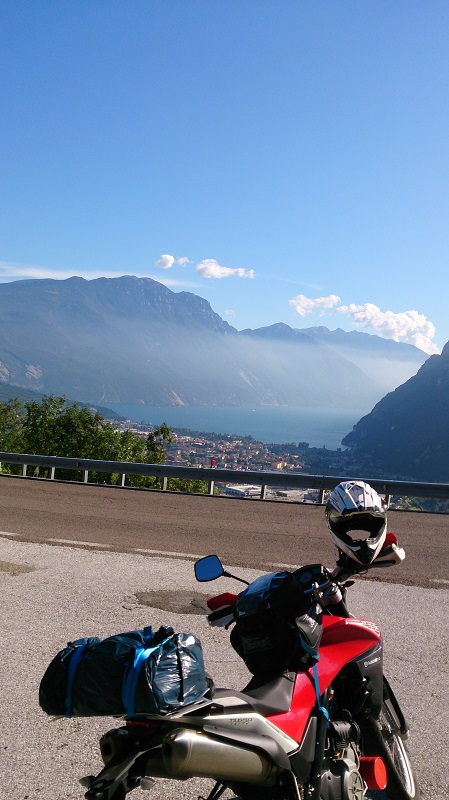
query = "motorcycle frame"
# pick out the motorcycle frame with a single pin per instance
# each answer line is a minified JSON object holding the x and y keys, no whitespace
{"x":300,"y":741}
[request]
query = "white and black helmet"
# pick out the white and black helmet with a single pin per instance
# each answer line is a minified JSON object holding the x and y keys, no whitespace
{"x":354,"y":507}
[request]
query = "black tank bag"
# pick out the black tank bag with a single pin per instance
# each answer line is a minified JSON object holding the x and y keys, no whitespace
{"x":278,"y":622}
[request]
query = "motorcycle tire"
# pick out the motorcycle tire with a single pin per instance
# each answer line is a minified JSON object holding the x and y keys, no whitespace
{"x":383,"y":738}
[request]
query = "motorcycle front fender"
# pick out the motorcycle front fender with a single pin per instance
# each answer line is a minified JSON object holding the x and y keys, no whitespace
{"x":395,"y":709}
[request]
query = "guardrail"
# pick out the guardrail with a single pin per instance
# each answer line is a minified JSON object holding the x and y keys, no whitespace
{"x":228,"y":476}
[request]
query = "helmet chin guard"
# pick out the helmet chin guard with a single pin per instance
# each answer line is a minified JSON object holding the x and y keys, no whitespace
{"x":357,"y":520}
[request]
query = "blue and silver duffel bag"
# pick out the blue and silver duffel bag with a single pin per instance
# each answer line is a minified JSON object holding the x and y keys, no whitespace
{"x":129,"y":674}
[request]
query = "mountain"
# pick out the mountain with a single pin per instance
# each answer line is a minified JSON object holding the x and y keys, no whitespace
{"x":133,"y":340}
{"x":406,"y":435}
{"x":387,"y":362}
{"x":384,"y":361}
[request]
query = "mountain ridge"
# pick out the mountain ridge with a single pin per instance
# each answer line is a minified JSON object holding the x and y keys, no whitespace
{"x":134,"y":340}
{"x":406,"y":434}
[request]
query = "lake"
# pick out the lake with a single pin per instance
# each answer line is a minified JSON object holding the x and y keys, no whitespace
{"x":269,"y":424}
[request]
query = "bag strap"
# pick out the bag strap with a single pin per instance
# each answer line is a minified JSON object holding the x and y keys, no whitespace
{"x":148,"y":633}
{"x":314,"y":654}
{"x":130,"y":679}
{"x":131,"y":676}
{"x":74,"y":661}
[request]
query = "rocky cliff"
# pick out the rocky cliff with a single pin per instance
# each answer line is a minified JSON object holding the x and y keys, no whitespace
{"x":406,"y":435}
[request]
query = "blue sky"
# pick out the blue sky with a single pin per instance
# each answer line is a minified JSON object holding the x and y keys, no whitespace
{"x":288,"y":161}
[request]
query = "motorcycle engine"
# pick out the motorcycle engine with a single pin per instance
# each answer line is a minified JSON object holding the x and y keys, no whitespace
{"x":342,"y":779}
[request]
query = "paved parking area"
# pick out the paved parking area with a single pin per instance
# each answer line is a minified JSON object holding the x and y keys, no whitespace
{"x":51,"y":594}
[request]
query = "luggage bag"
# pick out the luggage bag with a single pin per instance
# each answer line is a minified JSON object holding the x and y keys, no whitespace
{"x":129,"y":674}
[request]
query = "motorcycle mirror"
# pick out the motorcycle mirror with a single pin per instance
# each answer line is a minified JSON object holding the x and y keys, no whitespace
{"x":208,"y":568}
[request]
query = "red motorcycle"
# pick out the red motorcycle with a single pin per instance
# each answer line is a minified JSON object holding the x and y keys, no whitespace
{"x":317,"y":721}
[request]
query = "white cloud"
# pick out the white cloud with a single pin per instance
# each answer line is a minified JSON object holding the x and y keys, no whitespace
{"x":409,"y":327}
{"x":167,"y":262}
{"x":405,"y":326}
{"x":210,"y":268}
{"x":229,"y":312}
{"x":305,"y":305}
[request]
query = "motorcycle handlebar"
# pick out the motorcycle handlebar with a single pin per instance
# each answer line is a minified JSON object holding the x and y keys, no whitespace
{"x":390,"y":555}
{"x":222,"y":606}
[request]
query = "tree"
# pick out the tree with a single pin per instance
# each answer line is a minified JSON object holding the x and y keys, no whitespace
{"x":11,"y":430}
{"x":53,"y":427}
{"x":39,"y":430}
{"x":156,"y":440}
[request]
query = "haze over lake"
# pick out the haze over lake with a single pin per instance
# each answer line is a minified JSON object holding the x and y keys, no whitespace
{"x":270,"y":424}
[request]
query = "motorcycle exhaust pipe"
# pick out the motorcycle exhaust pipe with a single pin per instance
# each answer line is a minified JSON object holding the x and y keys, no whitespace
{"x":190,"y":753}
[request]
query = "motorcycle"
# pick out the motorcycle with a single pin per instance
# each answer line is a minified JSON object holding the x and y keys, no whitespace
{"x":329,"y":729}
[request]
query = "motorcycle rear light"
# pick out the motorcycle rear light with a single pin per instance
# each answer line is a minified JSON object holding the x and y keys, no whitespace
{"x":373,"y":772}
{"x":142,"y":725}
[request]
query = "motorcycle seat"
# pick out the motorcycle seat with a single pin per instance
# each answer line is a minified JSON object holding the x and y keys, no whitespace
{"x":264,"y":696}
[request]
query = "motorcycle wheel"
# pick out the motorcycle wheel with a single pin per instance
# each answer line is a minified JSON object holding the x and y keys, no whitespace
{"x":382,"y":737}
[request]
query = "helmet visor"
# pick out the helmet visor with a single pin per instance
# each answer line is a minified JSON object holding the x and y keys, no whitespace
{"x":368,"y":524}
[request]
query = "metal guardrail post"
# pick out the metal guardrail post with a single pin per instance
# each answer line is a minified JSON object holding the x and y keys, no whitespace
{"x":123,"y":478}
{"x":52,"y":473}
{"x":24,"y":470}
{"x":263,"y":492}
{"x":321,"y":496}
{"x":164,"y":483}
{"x":86,"y":476}
{"x":210,"y":487}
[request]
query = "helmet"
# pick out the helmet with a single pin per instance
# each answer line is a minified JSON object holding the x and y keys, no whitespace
{"x":356,"y":506}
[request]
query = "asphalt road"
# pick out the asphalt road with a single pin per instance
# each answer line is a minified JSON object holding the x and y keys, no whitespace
{"x":245,"y":533}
